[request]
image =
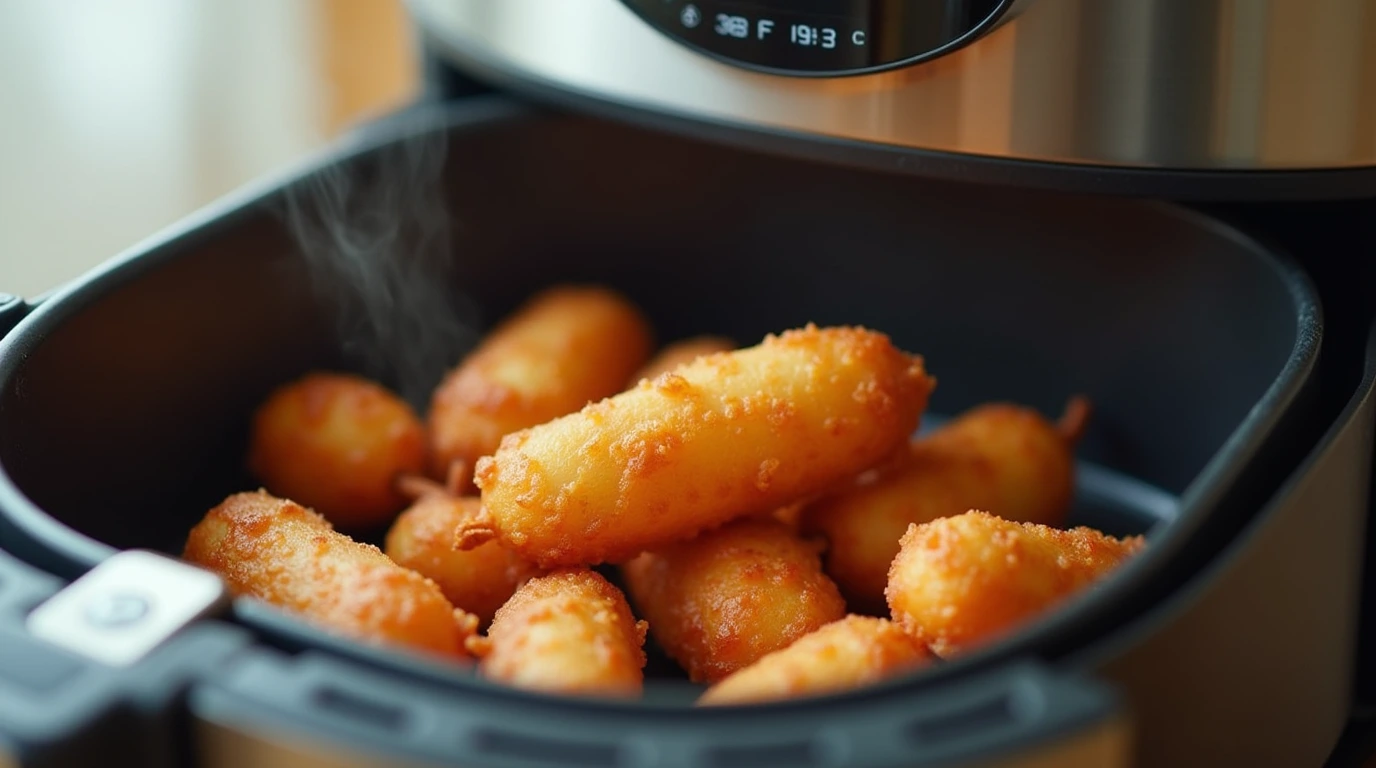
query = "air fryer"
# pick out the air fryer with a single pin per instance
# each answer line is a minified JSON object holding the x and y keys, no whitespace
{"x":1041,"y":197}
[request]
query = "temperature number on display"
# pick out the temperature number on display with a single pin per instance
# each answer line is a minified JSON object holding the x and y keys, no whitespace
{"x":803,"y":34}
{"x":732,"y":26}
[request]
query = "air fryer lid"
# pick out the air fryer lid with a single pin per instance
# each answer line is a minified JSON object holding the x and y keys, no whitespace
{"x":1191,"y":339}
{"x":1183,"y":100}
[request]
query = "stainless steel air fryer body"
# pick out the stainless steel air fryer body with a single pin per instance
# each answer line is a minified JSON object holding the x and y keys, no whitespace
{"x":1173,"y":84}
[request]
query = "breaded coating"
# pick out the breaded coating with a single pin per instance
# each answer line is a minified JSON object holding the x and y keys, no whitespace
{"x":963,"y":581}
{"x":562,"y":349}
{"x":849,"y":653}
{"x":567,"y":632}
{"x":721,"y":601}
{"x":999,"y":457}
{"x":282,"y":553}
{"x":724,"y":436}
{"x":337,"y":443}
{"x":681,"y":353}
{"x":480,"y":580}
{"x":789,"y":515}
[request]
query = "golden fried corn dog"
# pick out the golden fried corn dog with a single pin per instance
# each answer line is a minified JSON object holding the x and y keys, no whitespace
{"x":564,"y":348}
{"x":337,"y":443}
{"x":568,"y":632}
{"x":849,"y":653}
{"x":721,"y":437}
{"x":962,"y":581}
{"x":1000,"y":457}
{"x":481,"y":579}
{"x":721,"y":601}
{"x":282,"y":553}
{"x":681,"y":353}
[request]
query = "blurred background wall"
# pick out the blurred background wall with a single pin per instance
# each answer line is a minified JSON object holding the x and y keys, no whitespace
{"x":118,"y":117}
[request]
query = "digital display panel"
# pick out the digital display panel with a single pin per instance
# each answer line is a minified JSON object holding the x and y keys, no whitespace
{"x":820,"y":37}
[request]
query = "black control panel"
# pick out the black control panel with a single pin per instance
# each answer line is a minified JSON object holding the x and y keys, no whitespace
{"x":821,"y":37}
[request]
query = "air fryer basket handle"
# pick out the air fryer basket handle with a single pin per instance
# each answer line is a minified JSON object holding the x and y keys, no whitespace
{"x":315,"y":706}
{"x":60,"y":707}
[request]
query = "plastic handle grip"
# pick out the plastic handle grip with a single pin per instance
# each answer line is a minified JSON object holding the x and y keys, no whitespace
{"x":63,"y":706}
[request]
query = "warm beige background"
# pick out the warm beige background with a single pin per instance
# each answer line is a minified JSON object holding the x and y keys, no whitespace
{"x":118,"y":117}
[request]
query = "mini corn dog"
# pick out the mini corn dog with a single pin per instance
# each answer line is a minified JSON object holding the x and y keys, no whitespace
{"x":569,"y":632}
{"x":959,"y":582}
{"x":1000,"y":457}
{"x":564,"y":348}
{"x":481,"y":579}
{"x":681,"y":353}
{"x":337,"y":443}
{"x":720,"y":601}
{"x":718,"y":438}
{"x":845,"y":654}
{"x":280,"y":552}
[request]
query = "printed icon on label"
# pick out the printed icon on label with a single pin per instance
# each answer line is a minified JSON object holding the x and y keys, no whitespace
{"x":691,"y":16}
{"x":858,"y":37}
{"x":117,"y":610}
{"x":732,"y":26}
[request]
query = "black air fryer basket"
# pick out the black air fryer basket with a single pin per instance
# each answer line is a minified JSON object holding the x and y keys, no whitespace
{"x":124,"y":404}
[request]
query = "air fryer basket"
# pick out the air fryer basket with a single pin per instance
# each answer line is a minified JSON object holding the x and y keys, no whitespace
{"x":124,"y":400}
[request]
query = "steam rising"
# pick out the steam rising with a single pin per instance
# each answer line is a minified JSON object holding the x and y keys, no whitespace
{"x":377,"y":243}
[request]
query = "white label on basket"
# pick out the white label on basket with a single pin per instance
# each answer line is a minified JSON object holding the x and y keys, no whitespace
{"x":125,"y":607}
